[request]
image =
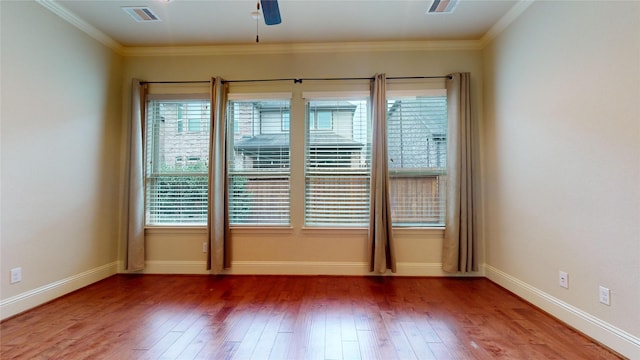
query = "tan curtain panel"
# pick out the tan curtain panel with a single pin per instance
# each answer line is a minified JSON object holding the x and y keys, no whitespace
{"x":380,"y":230}
{"x":134,"y":210}
{"x":218,"y":221}
{"x":460,"y":241}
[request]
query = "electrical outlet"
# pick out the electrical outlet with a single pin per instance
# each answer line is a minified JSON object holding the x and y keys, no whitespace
{"x":205,"y":248}
{"x":16,"y":275}
{"x":605,"y":295}
{"x":563,"y":279}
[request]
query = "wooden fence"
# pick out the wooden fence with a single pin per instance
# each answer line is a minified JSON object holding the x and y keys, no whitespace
{"x":416,"y":200}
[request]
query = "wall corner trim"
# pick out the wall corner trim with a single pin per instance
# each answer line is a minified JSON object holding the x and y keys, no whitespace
{"x":505,"y":21}
{"x":38,"y":296}
{"x":84,"y":26}
{"x":609,"y":335}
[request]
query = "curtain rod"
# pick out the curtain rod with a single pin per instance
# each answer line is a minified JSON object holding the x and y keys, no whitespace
{"x":298,"y":80}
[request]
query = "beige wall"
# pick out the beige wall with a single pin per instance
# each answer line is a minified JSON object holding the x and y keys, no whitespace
{"x":60,"y":165}
{"x":300,"y":250}
{"x":562,"y":161}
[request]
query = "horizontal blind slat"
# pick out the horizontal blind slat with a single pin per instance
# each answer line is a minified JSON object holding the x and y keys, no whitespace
{"x":259,"y":163}
{"x":177,"y":153}
{"x":417,"y":144}
{"x":337,"y":162}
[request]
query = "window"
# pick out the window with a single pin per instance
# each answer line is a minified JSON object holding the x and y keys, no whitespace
{"x":180,"y":117}
{"x":337,"y":163}
{"x":176,"y":163}
{"x":320,"y":119}
{"x":194,"y":124}
{"x":417,"y":150}
{"x":258,"y":165}
{"x":180,"y":124}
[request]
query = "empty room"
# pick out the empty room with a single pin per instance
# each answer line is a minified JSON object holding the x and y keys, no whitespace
{"x":306,"y":179}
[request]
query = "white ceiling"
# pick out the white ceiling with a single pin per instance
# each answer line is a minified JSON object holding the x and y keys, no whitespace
{"x":217,"y":22}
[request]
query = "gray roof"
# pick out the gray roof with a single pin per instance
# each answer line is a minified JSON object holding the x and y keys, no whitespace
{"x":318,"y":139}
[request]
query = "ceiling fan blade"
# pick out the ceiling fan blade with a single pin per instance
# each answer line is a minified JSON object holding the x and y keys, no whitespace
{"x":271,"y":12}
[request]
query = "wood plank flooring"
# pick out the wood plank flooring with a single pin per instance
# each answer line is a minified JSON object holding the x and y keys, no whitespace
{"x":291,"y":317}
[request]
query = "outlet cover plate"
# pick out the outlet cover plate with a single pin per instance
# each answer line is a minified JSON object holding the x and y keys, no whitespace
{"x":563,"y":279}
{"x":605,"y":296}
{"x":16,"y":275}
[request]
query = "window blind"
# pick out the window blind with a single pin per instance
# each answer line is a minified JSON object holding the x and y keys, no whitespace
{"x":258,"y":166}
{"x":417,"y":151}
{"x":177,"y":159}
{"x":337,"y":162}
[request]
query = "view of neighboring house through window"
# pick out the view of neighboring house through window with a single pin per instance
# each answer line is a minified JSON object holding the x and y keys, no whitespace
{"x":337,"y":163}
{"x":417,"y":150}
{"x":337,"y":160}
{"x":258,"y":164}
{"x":177,"y":162}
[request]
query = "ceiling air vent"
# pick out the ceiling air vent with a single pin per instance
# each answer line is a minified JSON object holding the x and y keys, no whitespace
{"x":442,"y":6}
{"x":141,"y":14}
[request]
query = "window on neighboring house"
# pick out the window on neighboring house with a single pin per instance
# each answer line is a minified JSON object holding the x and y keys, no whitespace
{"x":337,"y":162}
{"x":176,"y":163}
{"x":258,"y":164}
{"x":180,"y":124}
{"x":320,"y":119}
{"x":181,"y":117}
{"x":194,"y":124}
{"x":417,"y":150}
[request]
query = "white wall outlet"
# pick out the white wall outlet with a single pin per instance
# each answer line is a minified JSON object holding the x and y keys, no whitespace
{"x":205,"y":248}
{"x":605,"y":295}
{"x":563,"y":279}
{"x":16,"y":275}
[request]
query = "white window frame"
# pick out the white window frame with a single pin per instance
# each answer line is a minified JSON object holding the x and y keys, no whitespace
{"x":190,"y":185}
{"x":438,"y":174}
{"x":339,"y":214}
{"x":277,"y":173}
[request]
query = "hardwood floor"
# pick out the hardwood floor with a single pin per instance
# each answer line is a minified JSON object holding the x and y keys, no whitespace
{"x":291,"y":317}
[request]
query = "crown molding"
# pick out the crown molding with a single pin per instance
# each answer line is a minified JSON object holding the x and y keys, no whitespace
{"x":337,"y":47}
{"x":74,"y":20}
{"x":257,"y":49}
{"x":505,"y":21}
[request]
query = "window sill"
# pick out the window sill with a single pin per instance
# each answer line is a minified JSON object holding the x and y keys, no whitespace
{"x":432,"y":230}
{"x":341,"y":230}
{"x":266,"y":230}
{"x":169,"y":230}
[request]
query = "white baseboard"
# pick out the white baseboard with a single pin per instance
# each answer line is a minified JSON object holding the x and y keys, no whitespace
{"x":616,"y":339}
{"x":334,"y":268}
{"x":296,"y":268}
{"x":32,"y":298}
{"x":256,"y":268}
{"x":175,"y":267}
{"x":430,"y":269}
